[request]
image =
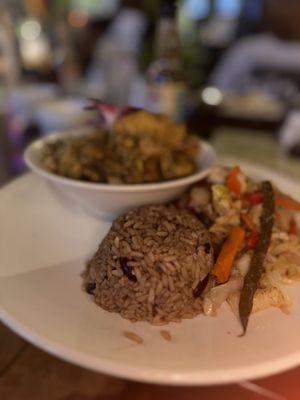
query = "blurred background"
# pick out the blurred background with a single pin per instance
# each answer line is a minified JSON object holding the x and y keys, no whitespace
{"x":209,"y":63}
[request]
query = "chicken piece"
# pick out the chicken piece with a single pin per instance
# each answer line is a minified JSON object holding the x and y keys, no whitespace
{"x":158,"y":127}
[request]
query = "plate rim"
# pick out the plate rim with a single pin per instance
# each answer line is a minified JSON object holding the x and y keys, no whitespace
{"x":153,"y":376}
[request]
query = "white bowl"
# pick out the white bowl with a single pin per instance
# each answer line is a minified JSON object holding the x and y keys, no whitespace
{"x":109,"y":200}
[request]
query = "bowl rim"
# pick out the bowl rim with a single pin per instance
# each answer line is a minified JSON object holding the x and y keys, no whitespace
{"x":206,"y":149}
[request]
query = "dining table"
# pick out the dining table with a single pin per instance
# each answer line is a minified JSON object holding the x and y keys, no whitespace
{"x":29,"y":373}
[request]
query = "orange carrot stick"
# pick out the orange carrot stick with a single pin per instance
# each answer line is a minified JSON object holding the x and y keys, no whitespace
{"x":286,"y":202}
{"x":228,"y":253}
{"x":233,"y":182}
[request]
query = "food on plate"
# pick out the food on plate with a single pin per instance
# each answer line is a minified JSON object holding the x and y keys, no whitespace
{"x":166,"y":335}
{"x":255,"y":235}
{"x":261,"y":247}
{"x":134,"y":337}
{"x":150,"y":265}
{"x":228,"y":238}
{"x":139,"y":147}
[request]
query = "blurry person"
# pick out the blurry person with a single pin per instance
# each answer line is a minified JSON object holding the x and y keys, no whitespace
{"x":114,"y":69}
{"x":282,"y":18}
{"x":250,"y":18}
{"x":276,"y":48}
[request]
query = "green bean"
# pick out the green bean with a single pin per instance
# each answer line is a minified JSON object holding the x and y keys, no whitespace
{"x":256,"y":268}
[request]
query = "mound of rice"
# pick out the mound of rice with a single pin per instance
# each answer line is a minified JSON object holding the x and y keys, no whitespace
{"x":149,"y":264}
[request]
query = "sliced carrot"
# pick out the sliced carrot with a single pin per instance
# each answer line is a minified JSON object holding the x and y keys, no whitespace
{"x":228,"y":253}
{"x":233,"y":182}
{"x":286,"y":202}
{"x":246,"y":218}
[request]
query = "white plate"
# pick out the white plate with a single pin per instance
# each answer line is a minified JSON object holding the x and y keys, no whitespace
{"x":43,"y":248}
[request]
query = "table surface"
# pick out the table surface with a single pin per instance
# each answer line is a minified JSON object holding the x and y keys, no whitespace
{"x":28,"y":373}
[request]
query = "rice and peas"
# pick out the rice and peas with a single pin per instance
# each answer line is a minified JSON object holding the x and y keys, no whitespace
{"x":163,"y":264}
